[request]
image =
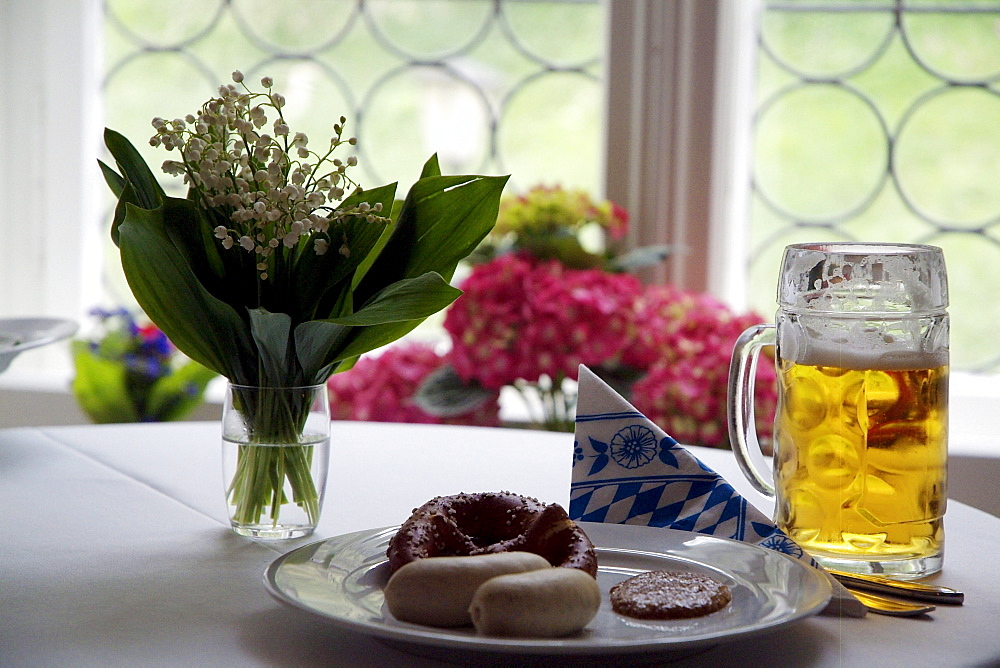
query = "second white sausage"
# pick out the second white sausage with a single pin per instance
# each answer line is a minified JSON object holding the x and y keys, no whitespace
{"x":547,"y":603}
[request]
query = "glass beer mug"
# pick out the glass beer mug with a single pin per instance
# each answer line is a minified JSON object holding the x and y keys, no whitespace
{"x":861,"y":428}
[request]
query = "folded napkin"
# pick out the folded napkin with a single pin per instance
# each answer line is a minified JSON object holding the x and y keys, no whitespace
{"x":626,"y":470}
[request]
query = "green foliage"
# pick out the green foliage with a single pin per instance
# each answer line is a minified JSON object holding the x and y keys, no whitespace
{"x":314,"y":313}
{"x":123,"y":378}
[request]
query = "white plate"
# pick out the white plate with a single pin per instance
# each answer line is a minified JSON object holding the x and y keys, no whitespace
{"x":20,"y":334}
{"x":341,"y":579}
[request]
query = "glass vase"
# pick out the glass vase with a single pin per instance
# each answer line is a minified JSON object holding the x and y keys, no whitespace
{"x":275,"y":457}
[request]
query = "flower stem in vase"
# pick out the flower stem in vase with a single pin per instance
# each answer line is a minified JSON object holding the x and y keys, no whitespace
{"x":281,"y":450}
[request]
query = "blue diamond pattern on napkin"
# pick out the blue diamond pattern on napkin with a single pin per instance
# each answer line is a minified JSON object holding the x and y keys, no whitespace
{"x":627,"y":470}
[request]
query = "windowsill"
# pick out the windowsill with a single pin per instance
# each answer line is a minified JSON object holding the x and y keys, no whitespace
{"x":974,"y":423}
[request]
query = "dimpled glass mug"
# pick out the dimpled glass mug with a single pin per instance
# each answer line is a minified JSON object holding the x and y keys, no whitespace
{"x":861,"y":428}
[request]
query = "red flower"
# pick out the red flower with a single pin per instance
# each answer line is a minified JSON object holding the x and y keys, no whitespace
{"x":381,"y":388}
{"x":522,"y":318}
{"x":685,"y":341}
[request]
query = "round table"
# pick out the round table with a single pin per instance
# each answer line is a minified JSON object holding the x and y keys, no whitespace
{"x":116,"y":551}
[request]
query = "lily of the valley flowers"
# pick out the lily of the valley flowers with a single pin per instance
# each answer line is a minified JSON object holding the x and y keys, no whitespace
{"x":275,"y":188}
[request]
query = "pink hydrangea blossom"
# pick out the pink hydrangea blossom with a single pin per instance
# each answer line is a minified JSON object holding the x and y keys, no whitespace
{"x":522,"y":318}
{"x":685,"y":342}
{"x":381,"y":389}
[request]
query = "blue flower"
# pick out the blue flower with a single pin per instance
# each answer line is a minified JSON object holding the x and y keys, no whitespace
{"x":634,"y":446}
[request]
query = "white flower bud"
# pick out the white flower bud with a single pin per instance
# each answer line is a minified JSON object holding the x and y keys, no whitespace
{"x":321,"y":246}
{"x":267,"y":82}
{"x":237,"y":76}
{"x":173,"y":167}
{"x":246,"y":243}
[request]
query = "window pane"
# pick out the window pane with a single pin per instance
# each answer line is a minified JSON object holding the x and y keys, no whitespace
{"x":508,"y":87}
{"x":868,"y":128}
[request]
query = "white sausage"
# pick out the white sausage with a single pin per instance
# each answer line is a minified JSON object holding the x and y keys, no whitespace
{"x":437,"y":591}
{"x":546,"y":603}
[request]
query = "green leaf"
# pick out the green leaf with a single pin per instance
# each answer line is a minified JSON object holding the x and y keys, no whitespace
{"x":641,"y":257}
{"x":407,"y":299}
{"x":203,"y":327}
{"x":316,"y":345}
{"x":389,"y":210}
{"x":192,"y":236}
{"x":443,"y":394}
{"x":135,"y":185}
{"x":272,"y":334}
{"x":114,"y":180}
{"x":442,"y":220}
{"x":431,"y":167}
{"x":320,"y":285}
{"x":128,"y":197}
{"x":134,"y":169}
{"x":402,"y":306}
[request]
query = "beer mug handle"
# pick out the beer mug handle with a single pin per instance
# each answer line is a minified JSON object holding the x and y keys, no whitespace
{"x":742,"y":427}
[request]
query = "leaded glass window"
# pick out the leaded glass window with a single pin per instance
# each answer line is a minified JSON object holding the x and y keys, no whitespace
{"x":492,"y":86}
{"x":880,"y":121}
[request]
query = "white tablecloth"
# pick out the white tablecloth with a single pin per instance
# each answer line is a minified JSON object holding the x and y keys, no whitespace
{"x":115,"y":550}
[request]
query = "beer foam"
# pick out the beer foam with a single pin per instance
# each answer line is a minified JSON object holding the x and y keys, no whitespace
{"x":867,"y":353}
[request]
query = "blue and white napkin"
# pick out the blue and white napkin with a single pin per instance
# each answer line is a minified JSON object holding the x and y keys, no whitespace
{"x":627,"y":470}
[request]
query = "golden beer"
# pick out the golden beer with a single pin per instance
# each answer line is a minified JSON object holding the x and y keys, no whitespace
{"x":860,"y":460}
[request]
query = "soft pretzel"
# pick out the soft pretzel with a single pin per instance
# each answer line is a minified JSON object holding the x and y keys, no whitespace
{"x":468,"y":524}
